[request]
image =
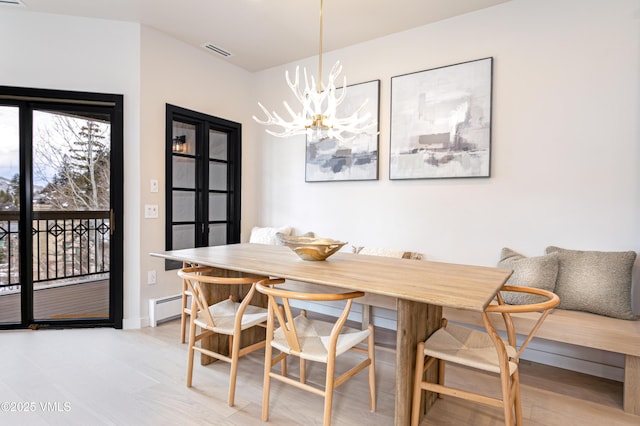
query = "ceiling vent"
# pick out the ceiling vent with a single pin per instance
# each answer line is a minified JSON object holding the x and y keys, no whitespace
{"x":215,"y":49}
{"x":11,"y":3}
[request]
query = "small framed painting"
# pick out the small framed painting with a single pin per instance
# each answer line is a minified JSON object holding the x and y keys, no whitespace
{"x":441,"y":122}
{"x":329,"y":159}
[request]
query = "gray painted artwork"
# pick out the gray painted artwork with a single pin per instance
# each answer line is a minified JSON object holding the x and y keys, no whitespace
{"x":441,"y":122}
{"x":329,"y":159}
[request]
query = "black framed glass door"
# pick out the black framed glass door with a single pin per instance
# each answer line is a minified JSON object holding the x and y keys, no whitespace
{"x":203,"y":180}
{"x":62,"y":247}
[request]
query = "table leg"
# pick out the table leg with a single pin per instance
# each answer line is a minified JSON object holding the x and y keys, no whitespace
{"x":632,"y":384}
{"x":416,"y":321}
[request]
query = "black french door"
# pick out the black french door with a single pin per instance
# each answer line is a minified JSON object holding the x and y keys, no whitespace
{"x":203,"y":156}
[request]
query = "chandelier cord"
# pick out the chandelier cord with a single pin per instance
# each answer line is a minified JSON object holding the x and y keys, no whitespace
{"x":320,"y":84}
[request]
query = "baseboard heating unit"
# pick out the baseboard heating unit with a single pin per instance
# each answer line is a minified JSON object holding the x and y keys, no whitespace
{"x":164,"y":309}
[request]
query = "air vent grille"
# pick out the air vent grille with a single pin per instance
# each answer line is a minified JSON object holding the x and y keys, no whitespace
{"x":11,"y":3}
{"x":217,"y":50}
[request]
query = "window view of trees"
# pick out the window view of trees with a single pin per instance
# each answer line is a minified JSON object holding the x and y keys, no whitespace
{"x":74,"y":169}
{"x":10,"y":193}
{"x":71,"y":173}
{"x":71,"y":166}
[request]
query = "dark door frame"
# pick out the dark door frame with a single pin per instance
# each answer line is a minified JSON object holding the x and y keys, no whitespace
{"x":28,"y":99}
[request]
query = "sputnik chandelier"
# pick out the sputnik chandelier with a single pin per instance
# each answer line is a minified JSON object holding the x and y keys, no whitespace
{"x":318,"y":117}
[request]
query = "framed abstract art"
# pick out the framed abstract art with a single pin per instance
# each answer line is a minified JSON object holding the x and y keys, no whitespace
{"x":329,"y":159}
{"x":441,"y":122}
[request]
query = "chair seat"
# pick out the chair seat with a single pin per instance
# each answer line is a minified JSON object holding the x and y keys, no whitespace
{"x":466,"y":346}
{"x":224,"y":313}
{"x":313,"y":336}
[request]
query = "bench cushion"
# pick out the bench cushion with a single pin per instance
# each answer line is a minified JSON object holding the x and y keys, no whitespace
{"x":573,"y":327}
{"x":595,"y":281}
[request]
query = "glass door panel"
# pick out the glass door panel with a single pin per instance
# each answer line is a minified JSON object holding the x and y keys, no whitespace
{"x":218,"y":187}
{"x":217,"y":207}
{"x":218,"y":234}
{"x":184,"y":184}
{"x":183,"y":236}
{"x":218,"y":145}
{"x":184,"y":206}
{"x":217,"y":176}
{"x":10,"y":296}
{"x":71,"y":212}
{"x":184,"y":173}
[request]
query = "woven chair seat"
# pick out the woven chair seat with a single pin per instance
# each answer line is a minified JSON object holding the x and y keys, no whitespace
{"x":314,"y":338}
{"x":466,"y":346}
{"x":224,"y":316}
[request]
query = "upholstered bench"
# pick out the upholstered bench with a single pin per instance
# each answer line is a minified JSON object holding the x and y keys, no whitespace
{"x":581,"y":329}
{"x":595,"y":308}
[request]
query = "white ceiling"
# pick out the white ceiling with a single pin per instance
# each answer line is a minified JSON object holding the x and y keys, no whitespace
{"x":262,"y":34}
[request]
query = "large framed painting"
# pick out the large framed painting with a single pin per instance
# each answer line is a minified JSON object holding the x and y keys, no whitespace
{"x":441,"y":122}
{"x":328,"y":159}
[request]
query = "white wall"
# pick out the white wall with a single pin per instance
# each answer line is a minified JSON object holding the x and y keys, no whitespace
{"x":176,"y":73}
{"x":565,"y":141}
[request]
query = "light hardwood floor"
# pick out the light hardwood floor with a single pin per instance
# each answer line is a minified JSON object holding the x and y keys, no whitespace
{"x":137,"y":377}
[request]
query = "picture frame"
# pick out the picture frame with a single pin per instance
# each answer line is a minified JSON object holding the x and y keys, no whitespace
{"x":441,"y":122}
{"x":330,"y":160}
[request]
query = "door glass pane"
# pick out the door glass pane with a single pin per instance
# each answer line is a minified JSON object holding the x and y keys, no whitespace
{"x":217,"y":234}
{"x":217,"y":145}
{"x":217,"y":176}
{"x":184,"y":172}
{"x":217,"y":206}
{"x":10,"y":310}
{"x":183,"y":236}
{"x":184,"y":138}
{"x":184,"y":206}
{"x":71,"y":202}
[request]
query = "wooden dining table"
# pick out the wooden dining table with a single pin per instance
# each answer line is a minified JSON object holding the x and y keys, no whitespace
{"x":420,"y":288}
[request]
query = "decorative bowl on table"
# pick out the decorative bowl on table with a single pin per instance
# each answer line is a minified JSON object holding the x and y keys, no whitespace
{"x":312,"y":248}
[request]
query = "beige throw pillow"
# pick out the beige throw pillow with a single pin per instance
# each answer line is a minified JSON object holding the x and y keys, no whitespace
{"x":372,"y":251}
{"x":267,"y":235}
{"x":595,"y":281}
{"x":537,"y":272}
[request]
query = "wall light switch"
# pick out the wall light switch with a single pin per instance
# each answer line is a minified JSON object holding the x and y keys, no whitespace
{"x":151,"y":277}
{"x":150,"y":211}
{"x":154,"y":185}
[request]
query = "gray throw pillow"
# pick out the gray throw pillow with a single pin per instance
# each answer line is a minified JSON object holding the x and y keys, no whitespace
{"x":538,"y":272}
{"x":595,"y":281}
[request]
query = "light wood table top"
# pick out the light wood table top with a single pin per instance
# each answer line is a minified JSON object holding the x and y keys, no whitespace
{"x":444,"y":284}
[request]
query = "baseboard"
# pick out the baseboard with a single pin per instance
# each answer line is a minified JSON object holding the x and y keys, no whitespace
{"x":134,"y":323}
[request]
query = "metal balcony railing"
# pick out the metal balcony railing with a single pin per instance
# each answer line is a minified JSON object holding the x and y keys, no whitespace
{"x":67,"y":246}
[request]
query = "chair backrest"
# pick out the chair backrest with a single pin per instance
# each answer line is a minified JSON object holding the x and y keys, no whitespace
{"x":195,"y":278}
{"x":285,"y":319}
{"x":550,"y":301}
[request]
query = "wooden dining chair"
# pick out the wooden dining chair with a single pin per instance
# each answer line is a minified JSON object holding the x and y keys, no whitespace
{"x":185,"y":312}
{"x":484,"y":350}
{"x":226,"y":317}
{"x":312,"y":340}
